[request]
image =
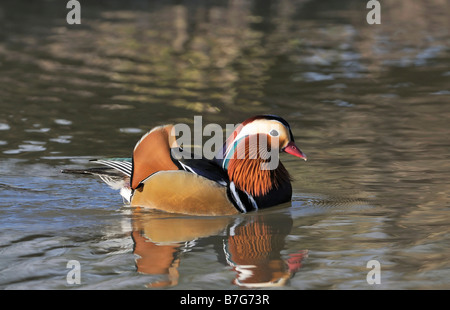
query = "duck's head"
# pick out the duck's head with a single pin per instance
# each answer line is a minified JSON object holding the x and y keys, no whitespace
{"x":277,"y":130}
{"x":251,"y":154}
{"x":258,"y":132}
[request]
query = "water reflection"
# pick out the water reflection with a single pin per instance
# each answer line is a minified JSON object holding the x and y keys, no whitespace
{"x":160,"y":238}
{"x":252,"y":246}
{"x":141,"y":64}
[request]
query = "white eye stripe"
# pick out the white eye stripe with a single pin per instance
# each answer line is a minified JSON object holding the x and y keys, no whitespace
{"x":260,"y":126}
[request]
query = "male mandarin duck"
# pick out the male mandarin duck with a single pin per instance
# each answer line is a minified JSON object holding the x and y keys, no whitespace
{"x":235,"y":181}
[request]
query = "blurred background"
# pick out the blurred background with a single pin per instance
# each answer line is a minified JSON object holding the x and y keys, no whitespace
{"x":368,"y":104}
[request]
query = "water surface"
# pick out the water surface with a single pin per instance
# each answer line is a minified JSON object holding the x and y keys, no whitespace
{"x":368,"y":104}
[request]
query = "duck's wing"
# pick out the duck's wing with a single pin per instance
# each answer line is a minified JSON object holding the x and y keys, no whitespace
{"x":206,"y":168}
{"x":152,"y":154}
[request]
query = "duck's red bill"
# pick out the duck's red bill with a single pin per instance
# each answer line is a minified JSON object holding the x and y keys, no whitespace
{"x":293,"y":149}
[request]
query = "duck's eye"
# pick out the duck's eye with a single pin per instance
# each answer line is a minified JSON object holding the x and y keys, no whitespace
{"x":274,"y":133}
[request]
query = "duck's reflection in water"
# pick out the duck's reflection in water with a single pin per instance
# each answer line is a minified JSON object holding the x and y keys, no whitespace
{"x":253,"y":248}
{"x":252,"y":245}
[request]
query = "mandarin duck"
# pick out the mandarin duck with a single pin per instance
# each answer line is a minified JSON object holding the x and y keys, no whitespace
{"x":235,"y":181}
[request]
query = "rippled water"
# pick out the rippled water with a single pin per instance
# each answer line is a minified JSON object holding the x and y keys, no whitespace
{"x":369,"y":105}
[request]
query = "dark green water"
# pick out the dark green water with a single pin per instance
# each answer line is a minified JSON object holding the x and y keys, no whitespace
{"x":368,"y":104}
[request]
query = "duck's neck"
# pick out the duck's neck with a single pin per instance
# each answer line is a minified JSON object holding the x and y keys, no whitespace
{"x":249,"y":172}
{"x":247,"y":175}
